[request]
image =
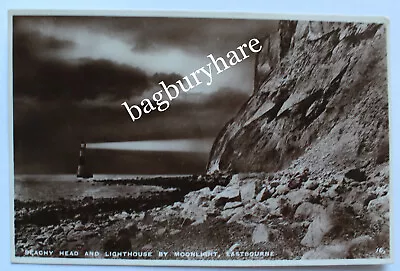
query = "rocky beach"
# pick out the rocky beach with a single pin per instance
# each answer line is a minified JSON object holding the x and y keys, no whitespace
{"x":290,"y":213}
{"x":301,"y":172}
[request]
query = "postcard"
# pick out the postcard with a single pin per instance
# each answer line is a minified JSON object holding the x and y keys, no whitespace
{"x":199,"y":139}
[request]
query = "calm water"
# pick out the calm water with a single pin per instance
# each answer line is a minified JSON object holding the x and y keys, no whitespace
{"x":53,"y":187}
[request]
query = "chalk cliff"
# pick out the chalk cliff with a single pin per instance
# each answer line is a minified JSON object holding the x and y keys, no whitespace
{"x":320,"y":100}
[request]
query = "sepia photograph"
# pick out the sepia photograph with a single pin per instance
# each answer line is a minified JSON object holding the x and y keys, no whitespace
{"x":199,"y":139}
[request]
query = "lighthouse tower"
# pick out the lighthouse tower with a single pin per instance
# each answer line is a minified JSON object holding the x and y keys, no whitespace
{"x":82,"y":167}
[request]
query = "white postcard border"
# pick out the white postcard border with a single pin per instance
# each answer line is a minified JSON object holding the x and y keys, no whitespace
{"x":191,"y":14}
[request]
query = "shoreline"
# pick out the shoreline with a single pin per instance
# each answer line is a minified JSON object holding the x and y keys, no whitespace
{"x":188,"y":182}
{"x":37,"y":188}
{"x":292,"y":214}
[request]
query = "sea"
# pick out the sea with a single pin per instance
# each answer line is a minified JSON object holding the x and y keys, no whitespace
{"x":49,"y":187}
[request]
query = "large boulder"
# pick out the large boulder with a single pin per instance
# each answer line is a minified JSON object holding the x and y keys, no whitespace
{"x":230,"y":194}
{"x":320,"y":226}
{"x":340,"y":250}
{"x":196,"y":205}
{"x":260,"y":234}
{"x":308,"y":211}
{"x":248,"y":191}
{"x":379,"y":209}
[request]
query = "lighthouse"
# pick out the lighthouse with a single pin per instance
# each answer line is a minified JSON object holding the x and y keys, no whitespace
{"x":82,"y":171}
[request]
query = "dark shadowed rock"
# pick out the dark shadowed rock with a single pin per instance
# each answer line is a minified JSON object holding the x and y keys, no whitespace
{"x":120,"y":242}
{"x":293,"y":184}
{"x":131,"y":229}
{"x":147,"y":218}
{"x":274,"y":183}
{"x":264,"y":194}
{"x":123,"y":243}
{"x":356,"y":174}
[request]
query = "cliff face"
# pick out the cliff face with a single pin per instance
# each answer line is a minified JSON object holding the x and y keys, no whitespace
{"x":320,"y":100}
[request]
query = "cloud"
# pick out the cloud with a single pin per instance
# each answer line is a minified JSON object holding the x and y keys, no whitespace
{"x":71,"y":75}
{"x":157,"y":44}
{"x":47,"y":133}
{"x":53,"y":79}
{"x":191,"y":34}
{"x":168,"y":79}
{"x":148,"y":33}
{"x":33,"y":44}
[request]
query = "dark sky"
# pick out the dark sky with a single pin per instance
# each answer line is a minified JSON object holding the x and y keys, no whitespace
{"x":71,"y":75}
